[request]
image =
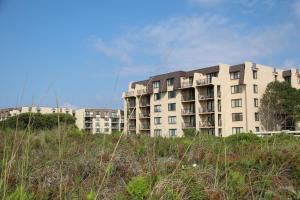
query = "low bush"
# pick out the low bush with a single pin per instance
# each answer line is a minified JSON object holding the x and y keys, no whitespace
{"x":37,"y":121}
{"x":242,"y":138}
{"x":139,"y":187}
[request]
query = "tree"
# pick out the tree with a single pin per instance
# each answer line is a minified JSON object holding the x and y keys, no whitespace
{"x":279,"y":106}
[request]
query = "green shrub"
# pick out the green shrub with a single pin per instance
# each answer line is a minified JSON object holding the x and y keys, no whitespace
{"x":139,"y":187}
{"x":236,"y":179}
{"x":73,"y":131}
{"x":37,"y":121}
{"x":242,"y":138}
{"x":91,"y":195}
{"x":19,"y":194}
{"x":191,"y":132}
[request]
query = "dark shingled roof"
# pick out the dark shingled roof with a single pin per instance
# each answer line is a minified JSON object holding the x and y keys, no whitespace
{"x":178,"y":74}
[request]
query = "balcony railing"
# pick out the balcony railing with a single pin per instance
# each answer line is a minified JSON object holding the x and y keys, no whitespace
{"x":188,"y":125}
{"x":145,"y":127}
{"x":131,"y":105}
{"x":205,"y":110}
{"x":131,"y":128}
{"x":205,"y":81}
{"x":144,"y":104}
{"x":187,"y":98}
{"x":187,"y":112}
{"x":129,"y":94}
{"x":142,"y":92}
{"x":205,"y":97}
{"x":132,"y":116}
{"x":206,"y":124}
{"x":115,"y":127}
{"x":186,"y":84}
{"x":144,"y":115}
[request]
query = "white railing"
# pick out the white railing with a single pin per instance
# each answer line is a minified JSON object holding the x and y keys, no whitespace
{"x":271,"y":133}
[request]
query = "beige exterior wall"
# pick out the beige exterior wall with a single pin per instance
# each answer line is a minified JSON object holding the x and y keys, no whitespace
{"x":99,"y":120}
{"x":216,"y":119}
{"x":10,"y":112}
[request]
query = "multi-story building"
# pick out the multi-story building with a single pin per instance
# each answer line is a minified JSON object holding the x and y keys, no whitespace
{"x":91,"y":120}
{"x":100,"y":120}
{"x":10,"y":112}
{"x":219,"y":100}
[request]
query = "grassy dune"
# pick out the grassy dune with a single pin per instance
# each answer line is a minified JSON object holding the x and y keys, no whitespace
{"x":68,"y":164}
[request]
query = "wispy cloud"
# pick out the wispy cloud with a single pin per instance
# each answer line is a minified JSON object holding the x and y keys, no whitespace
{"x":189,"y":42}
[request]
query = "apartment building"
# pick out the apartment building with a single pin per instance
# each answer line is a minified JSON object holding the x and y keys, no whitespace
{"x":10,"y":112}
{"x":219,"y":100}
{"x":91,"y":120}
{"x":100,"y":120}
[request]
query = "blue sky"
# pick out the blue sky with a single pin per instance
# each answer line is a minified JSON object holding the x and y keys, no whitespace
{"x":84,"y":53}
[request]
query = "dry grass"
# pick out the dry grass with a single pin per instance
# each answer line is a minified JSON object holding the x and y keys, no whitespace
{"x":61,"y":165}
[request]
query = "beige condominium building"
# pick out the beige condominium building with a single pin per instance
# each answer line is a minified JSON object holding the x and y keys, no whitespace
{"x":10,"y":112}
{"x":100,"y":120}
{"x":219,"y":100}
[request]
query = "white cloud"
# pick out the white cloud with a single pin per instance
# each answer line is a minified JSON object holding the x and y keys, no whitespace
{"x":192,"y":42}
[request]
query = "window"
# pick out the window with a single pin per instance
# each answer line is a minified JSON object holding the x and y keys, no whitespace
{"x":156,"y":84}
{"x":256,"y":116}
{"x":255,"y":88}
{"x":171,"y":106}
{"x":255,"y":102}
{"x":157,"y":120}
{"x":170,"y":81}
{"x":106,"y":119}
{"x":97,"y":130}
{"x":157,"y":108}
{"x":172,"y":119}
{"x":237,"y":130}
{"x":257,"y":129}
{"x":237,"y":117}
{"x":236,"y":89}
{"x":298,"y":79}
{"x":157,"y":96}
{"x":97,"y":124}
{"x":157,"y":132}
{"x":172,"y":132}
{"x":234,"y":75}
{"x":171,"y":94}
{"x":236,"y":103}
{"x":254,"y":73}
{"x":106,"y":130}
{"x":106,"y":124}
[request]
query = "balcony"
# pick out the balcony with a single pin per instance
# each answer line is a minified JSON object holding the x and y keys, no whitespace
{"x":206,"y":111}
{"x":187,"y":112}
{"x":207,"y":124}
{"x":132,"y":116}
{"x":115,"y":121}
{"x":144,"y":104}
{"x":115,"y":127}
{"x":129,"y":94}
{"x":142,"y":92}
{"x":131,"y":105}
{"x":144,"y":115}
{"x":187,"y":98}
{"x":205,"y":97}
{"x":186,"y":84}
{"x":204,"y":82}
{"x":145,"y":127}
{"x":132,"y":128}
{"x":187,"y":125}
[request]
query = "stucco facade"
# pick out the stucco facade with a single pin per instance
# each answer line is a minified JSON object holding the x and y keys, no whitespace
{"x":91,"y":120}
{"x":100,"y":120}
{"x":219,"y":100}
